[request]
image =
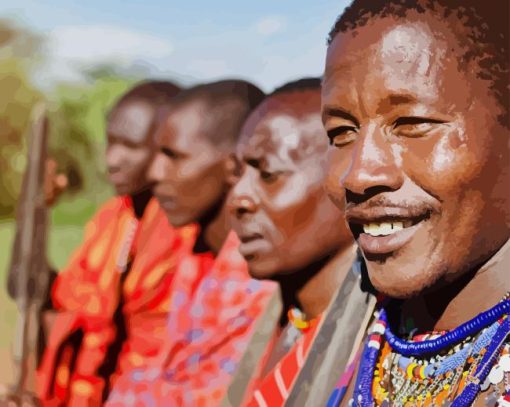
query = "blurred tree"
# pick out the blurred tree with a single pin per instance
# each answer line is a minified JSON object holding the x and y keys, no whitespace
{"x":77,"y":124}
{"x":77,"y":140}
{"x":19,"y":51}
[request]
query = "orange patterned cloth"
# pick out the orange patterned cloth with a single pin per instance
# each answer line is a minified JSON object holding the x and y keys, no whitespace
{"x":87,"y":294}
{"x":206,"y":339}
{"x":273,"y":389}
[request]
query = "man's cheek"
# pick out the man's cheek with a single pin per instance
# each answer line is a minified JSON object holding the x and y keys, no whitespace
{"x":334,"y":190}
{"x":442,"y":170}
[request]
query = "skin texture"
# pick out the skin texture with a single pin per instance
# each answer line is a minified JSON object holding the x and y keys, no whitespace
{"x":424,"y":144}
{"x":130,"y":146}
{"x":279,"y":207}
{"x":189,"y":172}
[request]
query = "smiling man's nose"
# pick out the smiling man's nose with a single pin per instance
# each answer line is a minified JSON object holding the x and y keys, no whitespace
{"x":373,"y":165}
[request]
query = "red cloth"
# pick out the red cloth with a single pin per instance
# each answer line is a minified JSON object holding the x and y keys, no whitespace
{"x":87,"y":292}
{"x":274,"y":388}
{"x":206,"y":339}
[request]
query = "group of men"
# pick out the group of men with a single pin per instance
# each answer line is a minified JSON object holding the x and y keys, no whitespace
{"x":239,"y":263}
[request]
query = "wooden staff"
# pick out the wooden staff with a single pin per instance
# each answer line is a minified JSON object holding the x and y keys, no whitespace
{"x":29,"y":274}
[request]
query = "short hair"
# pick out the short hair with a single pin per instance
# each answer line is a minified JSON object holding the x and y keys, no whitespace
{"x":302,"y":84}
{"x":309,"y":144}
{"x":229,"y":102}
{"x":156,"y":93}
{"x":485,"y":29}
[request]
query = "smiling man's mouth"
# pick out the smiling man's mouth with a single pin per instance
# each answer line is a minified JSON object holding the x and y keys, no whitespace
{"x":385,"y":230}
{"x":389,"y":227}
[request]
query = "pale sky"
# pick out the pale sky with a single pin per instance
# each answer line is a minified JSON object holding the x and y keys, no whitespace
{"x":267,"y":42}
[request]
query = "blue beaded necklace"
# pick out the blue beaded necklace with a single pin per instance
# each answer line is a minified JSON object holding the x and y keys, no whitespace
{"x":363,"y":387}
{"x":457,"y":335}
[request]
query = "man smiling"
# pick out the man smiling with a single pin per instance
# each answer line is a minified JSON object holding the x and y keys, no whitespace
{"x":416,"y":95}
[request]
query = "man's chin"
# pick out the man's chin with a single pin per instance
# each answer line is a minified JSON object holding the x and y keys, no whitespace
{"x":260,"y":270}
{"x":400,"y":276}
{"x":394,"y":283}
{"x":122,"y":190}
{"x":178,"y":220}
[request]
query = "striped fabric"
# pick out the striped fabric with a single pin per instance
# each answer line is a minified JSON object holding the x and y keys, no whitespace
{"x":274,"y":389}
{"x":205,"y":341}
{"x":87,"y":295}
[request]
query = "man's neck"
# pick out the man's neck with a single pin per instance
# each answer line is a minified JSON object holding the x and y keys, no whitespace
{"x":313,"y":287}
{"x":448,"y":307}
{"x":214,"y":228}
{"x":140,"y":201}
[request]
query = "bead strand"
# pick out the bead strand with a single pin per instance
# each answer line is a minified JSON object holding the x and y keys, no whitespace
{"x":470,"y":392}
{"x":469,"y":328}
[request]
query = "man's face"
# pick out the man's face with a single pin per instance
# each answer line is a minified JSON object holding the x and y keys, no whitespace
{"x":188,"y":171}
{"x":280,"y":210}
{"x":427,"y":182}
{"x":130,"y":147}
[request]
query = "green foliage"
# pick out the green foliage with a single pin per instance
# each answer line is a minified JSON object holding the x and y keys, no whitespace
{"x":77,"y":141}
{"x":16,"y":100}
{"x":77,"y":113}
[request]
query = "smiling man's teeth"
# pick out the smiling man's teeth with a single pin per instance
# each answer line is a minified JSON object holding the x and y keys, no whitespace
{"x":383,"y":229}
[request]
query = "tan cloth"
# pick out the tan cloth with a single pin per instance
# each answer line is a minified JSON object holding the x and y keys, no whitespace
{"x":338,"y":338}
{"x":255,"y":351}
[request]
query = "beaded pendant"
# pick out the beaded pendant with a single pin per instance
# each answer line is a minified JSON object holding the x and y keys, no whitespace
{"x":441,"y":370}
{"x":433,"y":381}
{"x":298,"y":319}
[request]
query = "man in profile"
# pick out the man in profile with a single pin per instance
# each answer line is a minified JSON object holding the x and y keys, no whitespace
{"x":290,"y":231}
{"x":214,"y":301}
{"x":109,"y":300}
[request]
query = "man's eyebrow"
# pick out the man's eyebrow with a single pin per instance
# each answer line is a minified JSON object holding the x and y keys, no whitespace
{"x":336,"y":112}
{"x":395,"y":100}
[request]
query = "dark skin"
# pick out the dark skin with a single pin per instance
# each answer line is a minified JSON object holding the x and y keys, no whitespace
{"x":190,"y":173}
{"x":426,"y":149}
{"x":130,"y":148}
{"x":289,"y":230}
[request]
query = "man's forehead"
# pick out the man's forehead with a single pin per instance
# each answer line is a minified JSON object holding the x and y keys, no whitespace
{"x":285,"y":136}
{"x":408,"y":58}
{"x":185,"y":126}
{"x":131,"y":121}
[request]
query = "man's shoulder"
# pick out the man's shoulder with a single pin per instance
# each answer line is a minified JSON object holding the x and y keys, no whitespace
{"x":115,"y":204}
{"x":111,"y":209}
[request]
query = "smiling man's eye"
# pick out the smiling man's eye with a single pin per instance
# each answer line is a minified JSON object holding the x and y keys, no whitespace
{"x":342,"y":135}
{"x":415,"y":126}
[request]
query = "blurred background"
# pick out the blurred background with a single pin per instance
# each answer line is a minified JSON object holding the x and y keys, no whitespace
{"x":78,"y":57}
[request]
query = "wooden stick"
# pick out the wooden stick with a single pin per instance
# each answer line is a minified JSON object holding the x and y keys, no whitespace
{"x":29,"y":274}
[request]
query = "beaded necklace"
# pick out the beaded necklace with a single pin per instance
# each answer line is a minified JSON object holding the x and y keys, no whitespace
{"x":298,"y":319}
{"x":447,"y":369}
